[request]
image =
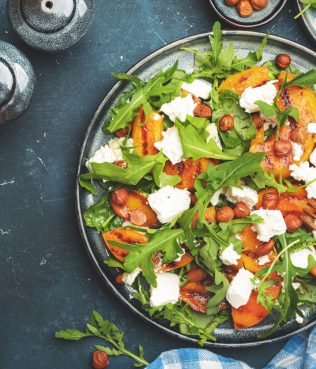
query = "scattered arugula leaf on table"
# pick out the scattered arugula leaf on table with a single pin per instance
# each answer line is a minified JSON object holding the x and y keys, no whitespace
{"x":98,"y":327}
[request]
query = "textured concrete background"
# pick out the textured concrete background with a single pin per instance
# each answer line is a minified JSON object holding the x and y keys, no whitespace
{"x":47,"y":281}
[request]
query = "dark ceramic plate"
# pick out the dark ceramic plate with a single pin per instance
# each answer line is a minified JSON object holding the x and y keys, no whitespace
{"x":308,"y":19}
{"x":230,"y":14}
{"x":94,"y":138}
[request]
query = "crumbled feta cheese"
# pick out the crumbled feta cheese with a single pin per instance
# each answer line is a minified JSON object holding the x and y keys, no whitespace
{"x":169,"y":202}
{"x":300,"y":258}
{"x":198,"y":88}
{"x":215,"y":198}
{"x":240,"y":288}
{"x":157,"y":116}
{"x":179,"y":108}
{"x":299,"y":319}
{"x":212,"y":131}
{"x":273,"y":224}
{"x":179,"y":254}
{"x":311,"y":128}
{"x":167,"y":290}
{"x":298,"y":151}
{"x":268,"y":122}
{"x":266,"y":93}
{"x":296,"y":285}
{"x":109,"y":153}
{"x":263,"y":260}
{"x":171,"y":145}
{"x":245,"y":194}
{"x":304,"y":172}
{"x":129,"y":278}
{"x":229,"y":256}
{"x":312,"y":158}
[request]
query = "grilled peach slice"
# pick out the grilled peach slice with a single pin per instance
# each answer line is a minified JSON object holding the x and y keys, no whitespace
{"x":252,"y":77}
{"x":123,"y":235}
{"x":195,"y":295}
{"x":253,"y":313}
{"x":251,"y":263}
{"x":249,"y":239}
{"x":188,"y":170}
{"x":272,"y":163}
{"x":145,"y":134}
{"x":302,"y":98}
{"x":210,"y":216}
{"x":186,"y":259}
{"x":134,"y":208}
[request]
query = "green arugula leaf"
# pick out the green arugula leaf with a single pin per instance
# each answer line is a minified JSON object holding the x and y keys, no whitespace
{"x":107,"y":331}
{"x":165,"y":241}
{"x":303,"y":80}
{"x":215,"y":41}
{"x":161,"y":178}
{"x":127,"y":77}
{"x":195,"y":147}
{"x":308,"y":4}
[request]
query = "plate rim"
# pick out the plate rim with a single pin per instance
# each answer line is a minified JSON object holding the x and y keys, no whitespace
{"x":266,"y":20}
{"x":79,"y":213}
{"x":306,"y":25}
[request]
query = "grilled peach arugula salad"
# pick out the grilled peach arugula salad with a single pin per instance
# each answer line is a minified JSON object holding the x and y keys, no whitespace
{"x":208,"y":199}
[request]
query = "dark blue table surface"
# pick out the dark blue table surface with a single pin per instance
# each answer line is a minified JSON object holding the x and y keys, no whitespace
{"x":47,"y":282}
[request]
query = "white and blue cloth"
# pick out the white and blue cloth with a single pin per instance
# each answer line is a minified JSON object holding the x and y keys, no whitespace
{"x":298,"y":353}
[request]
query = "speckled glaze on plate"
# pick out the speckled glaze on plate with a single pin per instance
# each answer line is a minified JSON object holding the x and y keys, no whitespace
{"x":308,"y":19}
{"x":230,"y":14}
{"x":244,"y":41}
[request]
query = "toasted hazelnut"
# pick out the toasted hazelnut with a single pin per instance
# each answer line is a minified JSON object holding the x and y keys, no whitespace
{"x":225,"y":214}
{"x":119,"y":278}
{"x":241,"y":210}
{"x":270,"y":201}
{"x":282,"y":148}
{"x":121,"y":163}
{"x":299,"y":135}
{"x":226,"y":123}
{"x":244,"y":8}
{"x":137,"y":217}
{"x":293,"y":222}
{"x":283,"y":60}
{"x":257,"y":120}
{"x":196,"y":275}
{"x":119,"y":196}
{"x":203,"y":111}
{"x":231,"y":2}
{"x":100,"y":360}
{"x":259,"y":4}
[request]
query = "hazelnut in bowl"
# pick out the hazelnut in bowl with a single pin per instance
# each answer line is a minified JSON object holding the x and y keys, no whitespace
{"x":247,"y":13}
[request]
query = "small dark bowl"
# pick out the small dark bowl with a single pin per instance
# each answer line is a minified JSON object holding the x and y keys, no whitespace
{"x":230,"y":14}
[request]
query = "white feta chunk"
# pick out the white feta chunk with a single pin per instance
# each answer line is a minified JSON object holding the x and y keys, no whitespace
{"x":298,"y":151}
{"x":167,"y":290}
{"x":179,"y":254}
{"x":273,"y":224}
{"x":300,"y":258}
{"x":304,"y":172}
{"x":215,"y":198}
{"x":311,"y":128}
{"x":171,"y":145}
{"x":299,"y":319}
{"x":169,"y":202}
{"x":240,"y":288}
{"x":268,"y":122}
{"x":263,"y":260}
{"x":312,"y":158}
{"x":212,"y":131}
{"x":109,"y":153}
{"x":198,"y":88}
{"x":245,"y":194}
{"x":129,"y":278}
{"x":179,"y":108}
{"x":266,"y":93}
{"x":229,"y":256}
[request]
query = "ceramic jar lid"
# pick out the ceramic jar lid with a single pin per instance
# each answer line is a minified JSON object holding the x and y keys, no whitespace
{"x":16,"y":82}
{"x":51,"y":25}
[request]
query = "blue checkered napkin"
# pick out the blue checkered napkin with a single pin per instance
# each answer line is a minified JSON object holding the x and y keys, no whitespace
{"x":298,"y":353}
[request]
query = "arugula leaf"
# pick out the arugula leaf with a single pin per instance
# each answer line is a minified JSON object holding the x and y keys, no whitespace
{"x":157,"y":90}
{"x":161,"y":178}
{"x":101,"y":216}
{"x":215,"y":41}
{"x":263,"y":179}
{"x":165,"y":241}
{"x":127,"y":77}
{"x":137,"y":168}
{"x":87,"y":184}
{"x":303,"y":80}
{"x":107,"y":331}
{"x":195,"y":147}
{"x":308,"y":4}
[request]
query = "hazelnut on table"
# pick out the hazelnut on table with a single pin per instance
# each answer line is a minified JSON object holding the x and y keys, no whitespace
{"x":244,"y":8}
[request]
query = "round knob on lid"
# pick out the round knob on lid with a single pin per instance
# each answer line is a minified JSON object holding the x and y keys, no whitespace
{"x":6,"y":83}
